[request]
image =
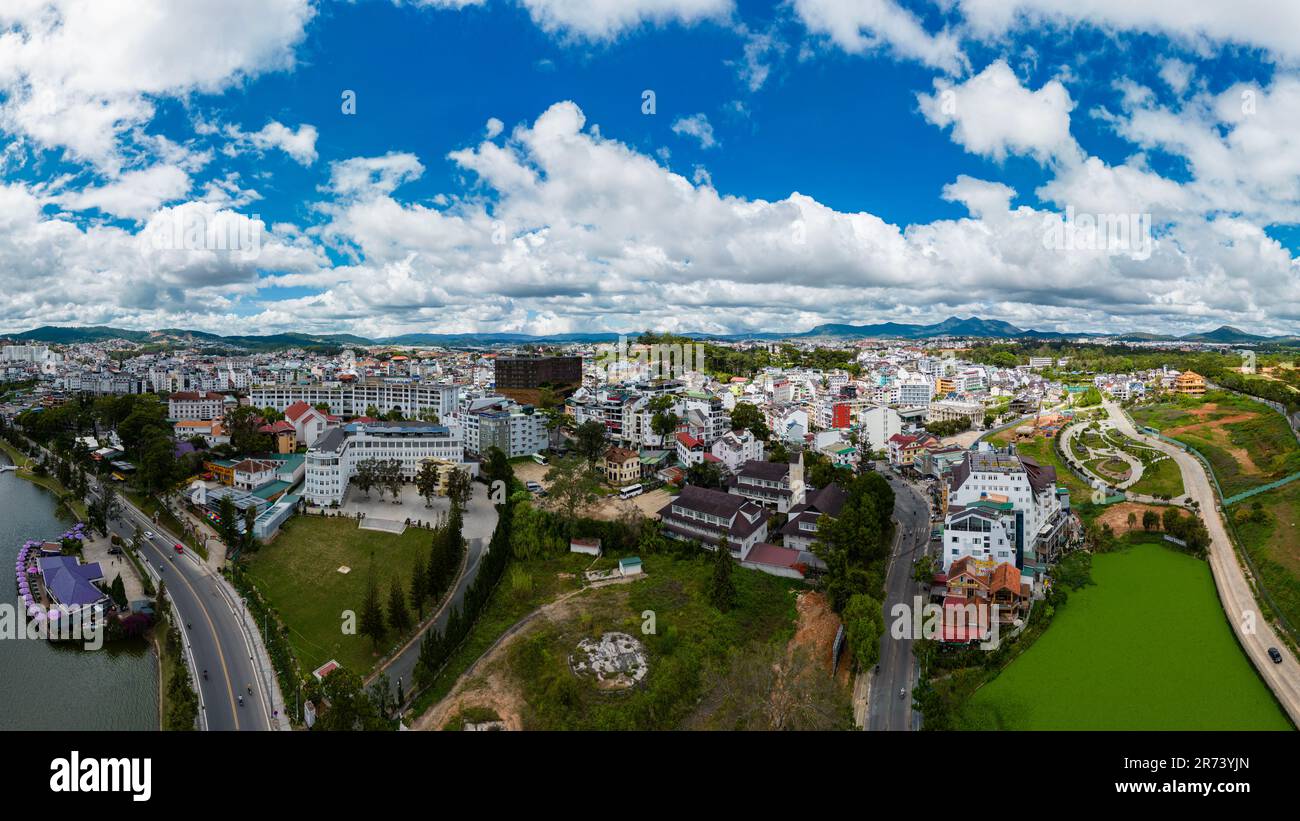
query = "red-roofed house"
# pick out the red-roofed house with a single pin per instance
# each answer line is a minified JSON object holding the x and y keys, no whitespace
{"x":690,"y":451}
{"x":283,"y":437}
{"x":902,"y":449}
{"x":308,"y":422}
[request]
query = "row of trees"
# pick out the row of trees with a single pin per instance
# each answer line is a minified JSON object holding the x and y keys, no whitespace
{"x":429,"y":581}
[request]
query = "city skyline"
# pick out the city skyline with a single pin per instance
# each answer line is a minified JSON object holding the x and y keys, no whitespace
{"x":690,"y":165}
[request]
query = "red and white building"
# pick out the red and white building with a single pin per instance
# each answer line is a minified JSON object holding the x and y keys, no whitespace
{"x":308,"y":422}
{"x":196,"y":406}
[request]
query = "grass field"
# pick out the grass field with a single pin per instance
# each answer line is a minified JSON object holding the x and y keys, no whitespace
{"x":1145,"y":648}
{"x":298,"y":574}
{"x":1274,"y":544}
{"x":1160,"y":478}
{"x":691,"y":637}
{"x":1248,"y":444}
{"x":686,"y":651}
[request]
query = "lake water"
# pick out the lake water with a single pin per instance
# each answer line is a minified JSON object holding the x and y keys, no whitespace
{"x":46,"y":686}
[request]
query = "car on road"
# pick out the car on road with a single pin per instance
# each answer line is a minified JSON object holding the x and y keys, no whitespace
{"x":1275,"y":654}
{"x":180,"y":548}
{"x":148,"y":534}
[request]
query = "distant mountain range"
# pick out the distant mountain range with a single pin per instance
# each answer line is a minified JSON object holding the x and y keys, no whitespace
{"x":952,"y":327}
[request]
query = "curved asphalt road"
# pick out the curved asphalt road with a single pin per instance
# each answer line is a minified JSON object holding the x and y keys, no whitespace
{"x":886,"y":710}
{"x":216,"y":640}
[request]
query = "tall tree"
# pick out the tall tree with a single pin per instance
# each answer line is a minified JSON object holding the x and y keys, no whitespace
{"x":459,"y":488}
{"x":722,"y":590}
{"x":573,"y":486}
{"x":864,"y":623}
{"x":419,"y":591}
{"x":399,"y":618}
{"x":426,"y":482}
{"x":366,"y":476}
{"x":589,"y":441}
{"x":747,"y":416}
{"x":372,"y":612}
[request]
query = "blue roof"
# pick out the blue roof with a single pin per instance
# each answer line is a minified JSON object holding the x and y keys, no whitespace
{"x":70,"y":582}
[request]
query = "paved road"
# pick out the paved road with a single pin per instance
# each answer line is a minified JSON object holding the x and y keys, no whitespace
{"x":402,"y":667}
{"x":211,"y":622}
{"x":886,"y":710}
{"x":1229,"y":577}
{"x":481,"y":517}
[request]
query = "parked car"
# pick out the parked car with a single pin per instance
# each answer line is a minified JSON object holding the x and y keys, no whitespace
{"x":535,"y":487}
{"x":1275,"y":654}
{"x":115,"y":551}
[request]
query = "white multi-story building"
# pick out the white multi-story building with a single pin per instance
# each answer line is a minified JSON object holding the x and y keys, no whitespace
{"x":516,"y":430}
{"x":1029,"y":490}
{"x":35,"y":354}
{"x":878,"y":424}
{"x":914,"y":390}
{"x":735,"y":448}
{"x":409,"y":396}
{"x":332,"y":463}
{"x":985,"y":532}
{"x":970,"y":380}
{"x":195,"y":405}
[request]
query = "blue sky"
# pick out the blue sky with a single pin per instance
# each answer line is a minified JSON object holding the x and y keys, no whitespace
{"x":807,"y":161}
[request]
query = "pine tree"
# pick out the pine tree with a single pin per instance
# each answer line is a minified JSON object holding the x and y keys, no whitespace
{"x":722,"y":591}
{"x":399,"y":618}
{"x":419,"y":587}
{"x":437,"y":572}
{"x":118,"y":590}
{"x":372,"y":613}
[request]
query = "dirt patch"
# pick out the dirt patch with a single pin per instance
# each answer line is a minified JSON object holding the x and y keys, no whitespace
{"x":1213,"y":424}
{"x":815,"y":629}
{"x":1117,"y":516}
{"x":498,"y":694}
{"x":1216,"y":431}
{"x":530,"y":471}
{"x":488,"y":683}
{"x":612,"y":508}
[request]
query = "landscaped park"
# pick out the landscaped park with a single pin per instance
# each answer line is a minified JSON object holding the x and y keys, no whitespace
{"x":1145,"y":647}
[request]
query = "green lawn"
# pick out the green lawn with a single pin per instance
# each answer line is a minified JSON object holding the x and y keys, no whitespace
{"x":1160,"y":478}
{"x":298,"y":574}
{"x":1043,"y":451}
{"x":1145,"y":648}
